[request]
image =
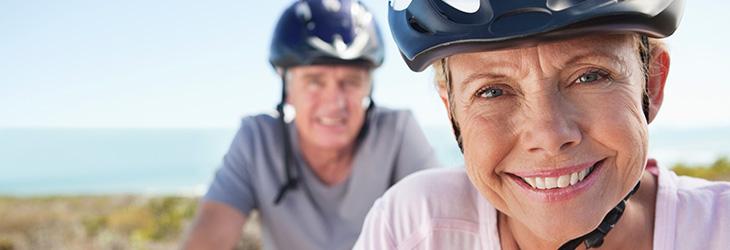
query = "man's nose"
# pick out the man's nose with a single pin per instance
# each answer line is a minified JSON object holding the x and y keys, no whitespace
{"x":335,"y":97}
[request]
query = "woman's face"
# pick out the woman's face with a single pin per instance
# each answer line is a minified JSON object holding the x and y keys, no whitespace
{"x":553,"y":135}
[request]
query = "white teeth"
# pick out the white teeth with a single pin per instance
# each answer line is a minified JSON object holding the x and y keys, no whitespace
{"x":539,"y":183}
{"x":330,"y":121}
{"x":530,"y":181}
{"x":563,"y":181}
{"x":551,"y":182}
{"x":557,"y":182}
{"x":582,"y":174}
{"x":573,"y":178}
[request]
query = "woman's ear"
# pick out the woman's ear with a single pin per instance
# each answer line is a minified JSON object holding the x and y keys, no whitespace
{"x":658,"y":72}
{"x":444,"y":96}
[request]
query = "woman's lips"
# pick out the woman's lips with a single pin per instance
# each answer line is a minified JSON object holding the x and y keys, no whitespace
{"x":561,"y":184}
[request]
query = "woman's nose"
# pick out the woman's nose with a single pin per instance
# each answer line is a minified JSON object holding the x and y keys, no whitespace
{"x":550,"y":127}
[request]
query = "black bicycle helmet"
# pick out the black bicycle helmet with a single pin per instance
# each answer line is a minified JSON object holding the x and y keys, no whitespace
{"x":427,"y":30}
{"x":326,"y":32}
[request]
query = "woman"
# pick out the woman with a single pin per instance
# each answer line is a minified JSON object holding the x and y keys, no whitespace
{"x":549,"y":102}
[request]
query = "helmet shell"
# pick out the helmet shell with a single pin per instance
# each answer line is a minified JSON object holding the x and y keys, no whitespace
{"x":427,"y":30}
{"x":326,"y":32}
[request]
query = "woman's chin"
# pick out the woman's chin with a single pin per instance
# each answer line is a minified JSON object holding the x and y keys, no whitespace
{"x":561,"y":231}
{"x":559,"y":224}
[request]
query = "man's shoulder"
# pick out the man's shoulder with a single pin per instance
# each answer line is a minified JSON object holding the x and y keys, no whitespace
{"x":265,"y":119}
{"x":387,"y":111}
{"x":260,"y":124}
{"x":388,"y":116}
{"x":258,"y":132}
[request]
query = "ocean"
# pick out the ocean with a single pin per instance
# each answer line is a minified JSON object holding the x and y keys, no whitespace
{"x":79,"y":161}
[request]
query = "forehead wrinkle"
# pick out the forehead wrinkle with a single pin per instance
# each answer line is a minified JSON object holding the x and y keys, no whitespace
{"x":575,"y":50}
{"x":494,"y":64}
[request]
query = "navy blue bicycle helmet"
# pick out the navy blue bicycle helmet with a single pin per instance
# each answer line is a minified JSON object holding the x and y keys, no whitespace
{"x":427,"y":30}
{"x":326,"y":32}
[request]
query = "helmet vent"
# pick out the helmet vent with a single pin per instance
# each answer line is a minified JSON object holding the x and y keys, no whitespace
{"x":417,"y":26}
{"x":558,"y":5}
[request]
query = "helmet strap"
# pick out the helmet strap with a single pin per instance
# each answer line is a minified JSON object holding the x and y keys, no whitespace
{"x":594,"y":239}
{"x":292,"y":180}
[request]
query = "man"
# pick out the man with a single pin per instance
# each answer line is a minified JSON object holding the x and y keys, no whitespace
{"x":314,"y":179}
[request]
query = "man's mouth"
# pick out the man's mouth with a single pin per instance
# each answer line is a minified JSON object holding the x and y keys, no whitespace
{"x":331,"y":121}
{"x":562,"y":181}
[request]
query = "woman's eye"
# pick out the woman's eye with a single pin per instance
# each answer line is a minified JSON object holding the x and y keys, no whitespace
{"x":489,"y":92}
{"x":592,"y":76}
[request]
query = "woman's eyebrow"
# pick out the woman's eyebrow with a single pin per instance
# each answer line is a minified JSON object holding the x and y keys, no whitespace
{"x":480,"y":75}
{"x":492,"y":69}
{"x":595,"y":55}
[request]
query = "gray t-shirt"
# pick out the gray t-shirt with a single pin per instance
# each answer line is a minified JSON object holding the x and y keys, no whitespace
{"x":317,"y":216}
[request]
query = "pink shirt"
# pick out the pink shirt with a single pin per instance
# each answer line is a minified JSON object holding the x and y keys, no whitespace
{"x":440,"y":209}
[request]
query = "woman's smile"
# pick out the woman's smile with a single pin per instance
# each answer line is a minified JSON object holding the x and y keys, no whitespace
{"x":559,"y":184}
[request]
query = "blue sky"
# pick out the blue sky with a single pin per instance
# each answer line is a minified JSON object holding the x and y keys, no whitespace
{"x":181,"y":63}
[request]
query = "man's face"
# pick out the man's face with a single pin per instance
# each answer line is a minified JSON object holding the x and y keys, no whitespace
{"x":553,"y":135}
{"x":328,"y":100}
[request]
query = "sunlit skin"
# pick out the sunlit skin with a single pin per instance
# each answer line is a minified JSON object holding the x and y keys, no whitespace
{"x":533,"y":110}
{"x":328,"y":100}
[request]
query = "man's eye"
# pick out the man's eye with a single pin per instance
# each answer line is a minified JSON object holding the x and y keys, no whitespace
{"x":352,"y":84}
{"x":489,"y":92}
{"x":592,"y":76}
{"x":314,"y":83}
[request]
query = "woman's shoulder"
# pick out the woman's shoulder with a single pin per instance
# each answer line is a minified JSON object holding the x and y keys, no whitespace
{"x":694,"y":210}
{"x":691,"y":190}
{"x":432,"y":185}
{"x":434,"y":207}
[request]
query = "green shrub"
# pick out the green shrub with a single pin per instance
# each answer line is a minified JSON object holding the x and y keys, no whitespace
{"x":94,"y":225}
{"x":718,"y":170}
{"x":169,"y":213}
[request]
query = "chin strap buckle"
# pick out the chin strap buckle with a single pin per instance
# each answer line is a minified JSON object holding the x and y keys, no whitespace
{"x":594,"y":239}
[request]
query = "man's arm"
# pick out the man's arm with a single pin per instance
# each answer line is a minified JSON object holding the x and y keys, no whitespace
{"x":216,"y":226}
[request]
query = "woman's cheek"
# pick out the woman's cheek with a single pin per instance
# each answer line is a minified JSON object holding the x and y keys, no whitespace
{"x":617,"y":122}
{"x":487,"y":142}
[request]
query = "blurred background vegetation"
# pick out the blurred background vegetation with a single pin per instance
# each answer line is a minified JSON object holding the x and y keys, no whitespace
{"x":140,"y":222}
{"x":101,"y":222}
{"x":717,"y":171}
